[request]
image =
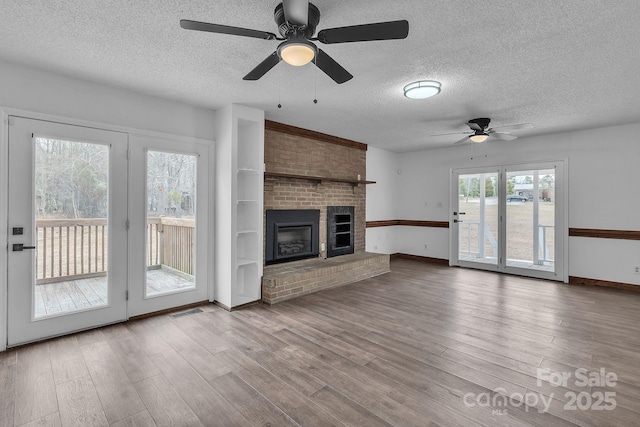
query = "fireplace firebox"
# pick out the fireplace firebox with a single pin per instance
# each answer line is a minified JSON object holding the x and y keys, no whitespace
{"x":292,"y":235}
{"x":340,"y":230}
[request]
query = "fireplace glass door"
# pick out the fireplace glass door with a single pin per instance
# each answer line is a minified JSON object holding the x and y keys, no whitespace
{"x":291,"y":235}
{"x":294,"y":240}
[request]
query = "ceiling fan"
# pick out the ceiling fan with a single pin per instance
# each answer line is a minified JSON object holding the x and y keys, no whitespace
{"x":297,"y":21}
{"x":480,"y":131}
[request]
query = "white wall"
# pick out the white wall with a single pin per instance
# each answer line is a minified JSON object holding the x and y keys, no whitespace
{"x":602,"y":187}
{"x":382,"y":167}
{"x":43,"y":92}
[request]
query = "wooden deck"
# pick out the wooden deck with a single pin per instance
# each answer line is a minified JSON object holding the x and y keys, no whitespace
{"x":81,"y":294}
{"x":401,"y":349}
{"x":510,"y":263}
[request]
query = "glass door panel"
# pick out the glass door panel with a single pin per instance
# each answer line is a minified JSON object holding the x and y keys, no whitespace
{"x":169,"y":216}
{"x":71,"y":200}
{"x":477,"y":218}
{"x":530,"y":219}
{"x":171,"y":222}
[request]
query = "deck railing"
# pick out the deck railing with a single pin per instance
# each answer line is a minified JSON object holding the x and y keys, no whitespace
{"x":78,"y":248}
{"x":176,"y":237}
{"x":480,"y":244}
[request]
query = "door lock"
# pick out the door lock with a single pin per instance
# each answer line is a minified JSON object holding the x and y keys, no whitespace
{"x":19,"y":247}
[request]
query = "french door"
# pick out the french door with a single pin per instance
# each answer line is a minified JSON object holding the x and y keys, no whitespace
{"x":169,"y":232}
{"x":67,"y":229}
{"x":510,"y":219}
{"x":101,"y":227}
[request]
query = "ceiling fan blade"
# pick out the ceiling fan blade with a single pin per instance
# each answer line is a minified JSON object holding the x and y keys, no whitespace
{"x":465,"y":139}
{"x":262,"y":68}
{"x":361,"y":33}
{"x":503,"y":136}
{"x":475,"y":126}
{"x":454,"y":133}
{"x":296,"y":12}
{"x":511,"y":128}
{"x":224,"y":29}
{"x":331,"y":68}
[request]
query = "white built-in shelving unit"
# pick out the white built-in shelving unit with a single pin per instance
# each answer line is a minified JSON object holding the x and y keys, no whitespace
{"x":239,"y":205}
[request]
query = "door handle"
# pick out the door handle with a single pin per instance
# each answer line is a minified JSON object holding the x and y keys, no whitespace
{"x":455,"y":220}
{"x":19,"y":247}
{"x":459,"y":213}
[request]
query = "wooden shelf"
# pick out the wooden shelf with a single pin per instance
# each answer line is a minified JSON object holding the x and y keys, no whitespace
{"x":317,"y":179}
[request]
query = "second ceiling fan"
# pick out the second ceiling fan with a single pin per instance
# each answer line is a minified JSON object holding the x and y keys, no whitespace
{"x":480,"y":131}
{"x":297,"y":21}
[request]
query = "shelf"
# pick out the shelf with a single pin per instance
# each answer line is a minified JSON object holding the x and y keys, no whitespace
{"x":239,"y":135}
{"x":248,"y":216}
{"x":246,"y":231}
{"x":248,"y":145}
{"x":247,"y":170}
{"x":248,"y":248}
{"x":317,"y":179}
{"x":248,"y":186}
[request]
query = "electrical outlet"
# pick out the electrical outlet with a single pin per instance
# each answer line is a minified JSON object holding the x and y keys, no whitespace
{"x":426,"y":247}
{"x":636,"y":269}
{"x":375,"y":247}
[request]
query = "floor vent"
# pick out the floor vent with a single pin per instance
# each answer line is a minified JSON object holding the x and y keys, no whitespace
{"x":186,"y":313}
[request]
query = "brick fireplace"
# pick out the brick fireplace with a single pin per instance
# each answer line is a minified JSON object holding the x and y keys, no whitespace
{"x":307,"y":170}
{"x":296,"y":155}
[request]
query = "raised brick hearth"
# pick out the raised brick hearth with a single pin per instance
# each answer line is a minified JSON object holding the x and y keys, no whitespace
{"x":285,"y":281}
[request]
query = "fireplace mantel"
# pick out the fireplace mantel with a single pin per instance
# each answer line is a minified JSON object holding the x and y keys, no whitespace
{"x":316,"y":179}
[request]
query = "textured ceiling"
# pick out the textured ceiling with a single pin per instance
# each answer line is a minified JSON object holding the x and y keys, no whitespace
{"x":561,"y":65}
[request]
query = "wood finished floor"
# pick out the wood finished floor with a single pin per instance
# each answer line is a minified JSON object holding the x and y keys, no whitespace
{"x":402,"y":349}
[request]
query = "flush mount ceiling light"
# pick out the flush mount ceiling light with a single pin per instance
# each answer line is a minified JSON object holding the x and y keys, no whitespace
{"x":297,"y":52}
{"x":422,"y":89}
{"x":478,"y":138}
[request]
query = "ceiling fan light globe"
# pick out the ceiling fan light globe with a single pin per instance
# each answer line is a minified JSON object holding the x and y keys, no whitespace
{"x":297,"y":53}
{"x":478,"y":138}
{"x":422,"y":89}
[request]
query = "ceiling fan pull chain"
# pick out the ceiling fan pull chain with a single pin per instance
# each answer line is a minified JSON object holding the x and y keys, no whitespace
{"x":279,"y":90}
{"x":315,"y":85}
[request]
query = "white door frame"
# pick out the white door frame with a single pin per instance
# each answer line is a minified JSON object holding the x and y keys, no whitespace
{"x":561,"y":218}
{"x":5,"y":112}
{"x":4,"y":242}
